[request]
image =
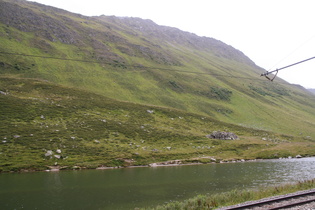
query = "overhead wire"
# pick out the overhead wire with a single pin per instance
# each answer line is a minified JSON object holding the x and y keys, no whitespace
{"x":294,"y":51}
{"x":132,"y":66}
{"x":278,"y":69}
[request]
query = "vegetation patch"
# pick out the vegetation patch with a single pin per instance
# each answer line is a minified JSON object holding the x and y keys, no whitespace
{"x":260,"y":91}
{"x":235,"y":197}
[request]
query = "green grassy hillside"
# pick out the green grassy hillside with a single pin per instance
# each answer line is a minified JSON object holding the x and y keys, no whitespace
{"x":142,"y":64}
{"x":37,"y":118}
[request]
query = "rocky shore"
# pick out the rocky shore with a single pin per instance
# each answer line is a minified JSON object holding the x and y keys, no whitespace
{"x":194,"y":161}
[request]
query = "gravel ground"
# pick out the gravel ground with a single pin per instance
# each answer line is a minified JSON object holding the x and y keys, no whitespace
{"x":309,"y":206}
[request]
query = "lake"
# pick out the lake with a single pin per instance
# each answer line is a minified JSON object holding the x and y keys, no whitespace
{"x":128,"y":188}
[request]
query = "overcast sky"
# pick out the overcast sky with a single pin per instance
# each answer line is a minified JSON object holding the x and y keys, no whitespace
{"x":272,"y":33}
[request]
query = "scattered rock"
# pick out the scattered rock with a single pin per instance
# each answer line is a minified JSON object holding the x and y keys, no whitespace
{"x":16,"y":136}
{"x":222,"y":135}
{"x":150,"y":111}
{"x":153,"y":165}
{"x":172,"y":162}
{"x":97,"y":141}
{"x":58,"y":151}
{"x":166,"y":163}
{"x":3,"y":93}
{"x":49,"y":153}
{"x":57,"y":156}
{"x":298,"y":156}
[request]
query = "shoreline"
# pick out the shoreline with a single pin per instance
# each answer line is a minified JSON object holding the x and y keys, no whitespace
{"x":154,"y":165}
{"x":170,"y":164}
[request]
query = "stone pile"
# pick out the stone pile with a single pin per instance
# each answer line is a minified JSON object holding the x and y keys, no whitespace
{"x":222,"y":135}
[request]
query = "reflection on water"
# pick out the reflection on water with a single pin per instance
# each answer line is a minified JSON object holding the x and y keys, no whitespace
{"x":138,"y":187}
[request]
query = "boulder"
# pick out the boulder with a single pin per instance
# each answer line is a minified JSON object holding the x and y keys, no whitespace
{"x":3,"y":93}
{"x":57,"y":156}
{"x":222,"y":135}
{"x":153,"y":165}
{"x":49,"y":153}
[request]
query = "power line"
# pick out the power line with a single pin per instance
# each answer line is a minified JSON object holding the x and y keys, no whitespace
{"x":48,"y":57}
{"x":128,"y":65}
{"x":294,"y":51}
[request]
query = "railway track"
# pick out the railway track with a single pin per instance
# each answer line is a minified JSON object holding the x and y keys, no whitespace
{"x":280,"y":202}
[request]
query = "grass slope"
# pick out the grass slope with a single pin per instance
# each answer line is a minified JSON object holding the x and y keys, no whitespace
{"x":137,"y":61}
{"x":92,"y":131}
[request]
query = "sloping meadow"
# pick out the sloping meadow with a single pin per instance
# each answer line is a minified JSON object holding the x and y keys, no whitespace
{"x":44,"y":125}
{"x":110,"y":91}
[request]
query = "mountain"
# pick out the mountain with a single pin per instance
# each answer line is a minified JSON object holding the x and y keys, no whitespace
{"x":312,"y":90}
{"x":144,"y":66}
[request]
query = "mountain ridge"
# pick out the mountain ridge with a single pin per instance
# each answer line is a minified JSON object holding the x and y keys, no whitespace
{"x":312,"y":90}
{"x":175,"y":35}
{"x":139,"y":61}
{"x":56,"y":30}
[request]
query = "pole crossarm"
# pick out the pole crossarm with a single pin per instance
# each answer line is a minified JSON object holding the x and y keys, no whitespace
{"x":269,"y":72}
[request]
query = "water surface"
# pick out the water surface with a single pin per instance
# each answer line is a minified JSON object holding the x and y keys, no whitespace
{"x":139,"y":187}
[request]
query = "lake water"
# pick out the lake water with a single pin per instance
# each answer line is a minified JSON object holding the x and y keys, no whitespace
{"x":139,"y":187}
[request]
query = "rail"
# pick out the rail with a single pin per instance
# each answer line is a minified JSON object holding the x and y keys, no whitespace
{"x":283,"y":202}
